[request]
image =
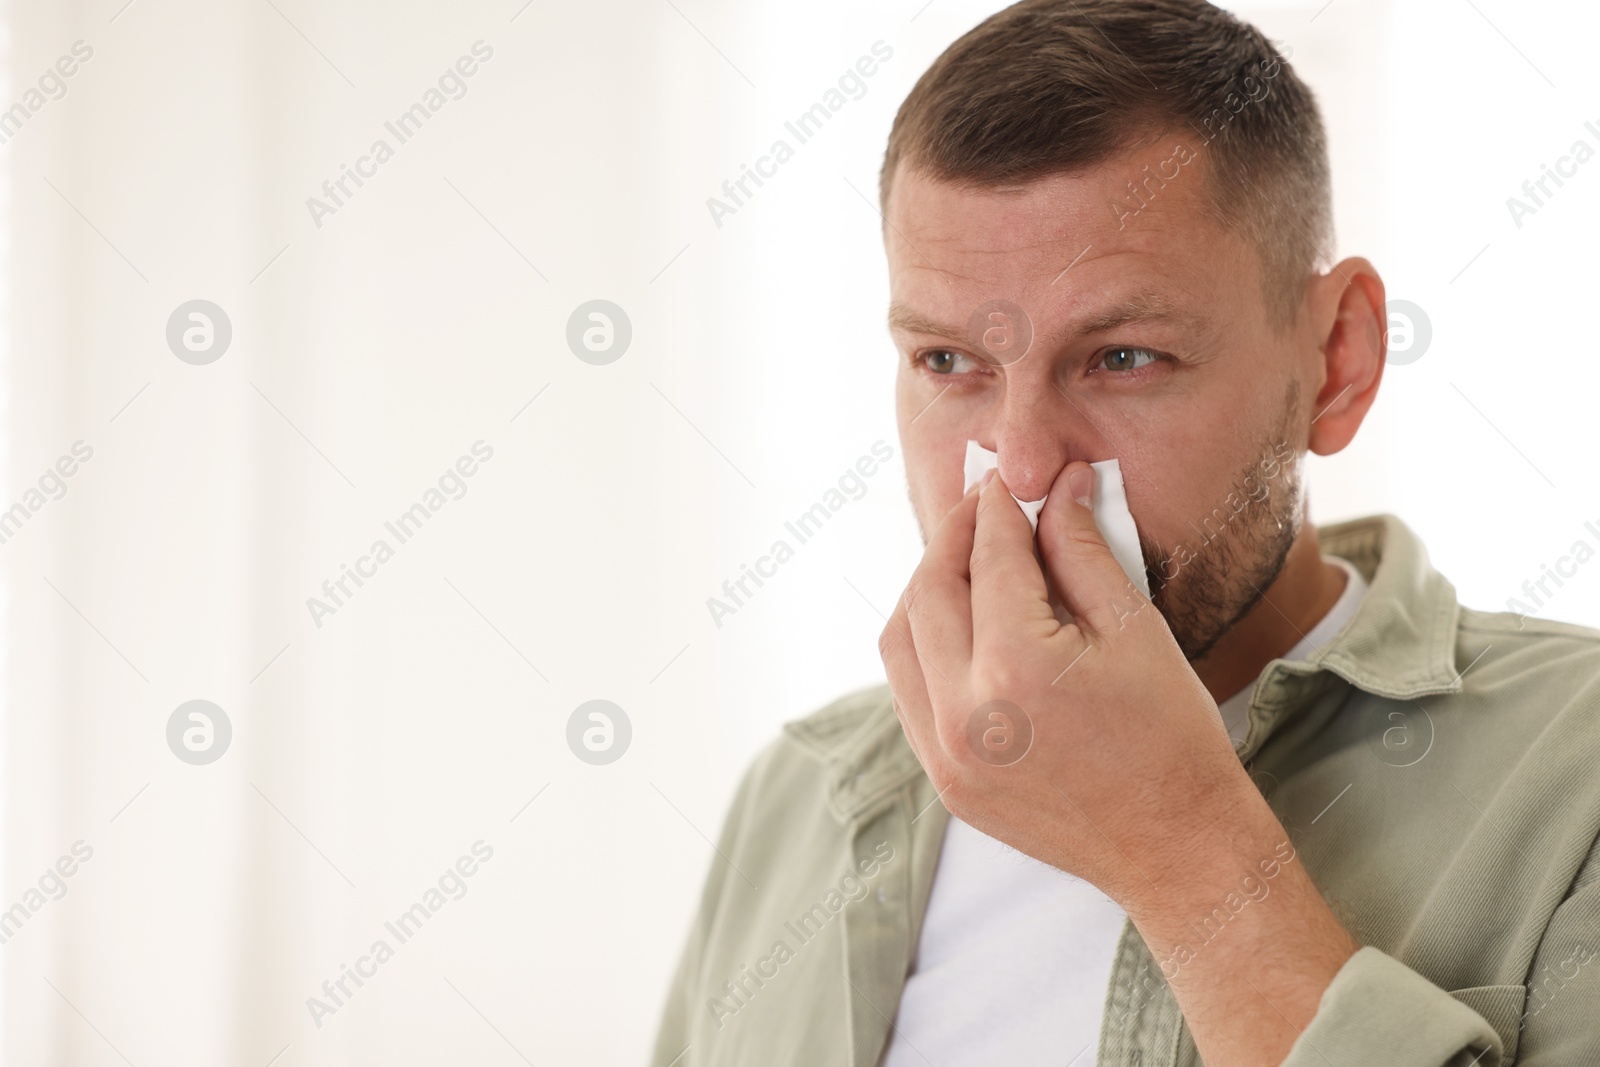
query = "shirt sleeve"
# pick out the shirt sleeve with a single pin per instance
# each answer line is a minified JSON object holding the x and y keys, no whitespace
{"x":1378,"y":1010}
{"x":677,"y":1030}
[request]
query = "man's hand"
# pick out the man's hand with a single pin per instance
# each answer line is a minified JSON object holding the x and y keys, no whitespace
{"x":1092,"y":746}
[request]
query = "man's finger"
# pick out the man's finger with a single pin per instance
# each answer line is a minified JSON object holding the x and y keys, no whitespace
{"x":906,"y":681}
{"x":1082,"y":569}
{"x":940,"y":596}
{"x":1008,"y":588}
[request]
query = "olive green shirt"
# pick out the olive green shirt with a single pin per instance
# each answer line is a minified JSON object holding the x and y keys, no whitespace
{"x":1434,"y":767}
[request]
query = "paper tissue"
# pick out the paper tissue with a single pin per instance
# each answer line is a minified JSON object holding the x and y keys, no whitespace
{"x":1109,"y":506}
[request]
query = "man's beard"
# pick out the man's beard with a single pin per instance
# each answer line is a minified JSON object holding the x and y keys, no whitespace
{"x":1229,"y":573}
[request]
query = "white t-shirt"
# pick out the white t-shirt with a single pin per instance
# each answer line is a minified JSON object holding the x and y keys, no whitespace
{"x":1015,"y":956}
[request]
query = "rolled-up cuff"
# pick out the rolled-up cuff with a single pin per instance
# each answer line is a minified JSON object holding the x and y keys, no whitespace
{"x":1378,"y":1010}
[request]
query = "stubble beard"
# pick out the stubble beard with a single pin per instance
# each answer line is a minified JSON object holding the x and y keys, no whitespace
{"x":1230,"y":573}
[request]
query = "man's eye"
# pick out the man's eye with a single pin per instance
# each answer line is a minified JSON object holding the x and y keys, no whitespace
{"x":1126,"y":358}
{"x":943,"y":361}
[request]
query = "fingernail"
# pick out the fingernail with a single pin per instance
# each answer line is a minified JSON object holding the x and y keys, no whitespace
{"x":1080,"y":483}
{"x":988,"y":476}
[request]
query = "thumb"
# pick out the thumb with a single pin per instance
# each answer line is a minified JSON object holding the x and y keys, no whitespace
{"x":1078,"y":562}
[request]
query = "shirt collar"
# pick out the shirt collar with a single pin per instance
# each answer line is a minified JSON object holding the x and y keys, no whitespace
{"x":860,"y":742}
{"x":1236,"y":708}
{"x":1400,"y":643}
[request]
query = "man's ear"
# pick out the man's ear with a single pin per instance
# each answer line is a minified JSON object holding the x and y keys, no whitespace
{"x":1352,"y":321}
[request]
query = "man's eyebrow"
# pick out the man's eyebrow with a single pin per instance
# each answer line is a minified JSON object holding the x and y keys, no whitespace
{"x":902,"y":317}
{"x":1141,"y":307}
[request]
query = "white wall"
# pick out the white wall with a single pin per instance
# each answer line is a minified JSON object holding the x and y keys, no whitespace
{"x":422,"y":317}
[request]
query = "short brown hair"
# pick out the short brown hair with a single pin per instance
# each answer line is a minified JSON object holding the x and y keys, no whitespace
{"x":1047,"y":86}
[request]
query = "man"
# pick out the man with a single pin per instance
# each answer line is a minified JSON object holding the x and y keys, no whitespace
{"x":1298,"y":806}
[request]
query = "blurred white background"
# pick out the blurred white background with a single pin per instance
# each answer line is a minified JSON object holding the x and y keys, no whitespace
{"x":429,"y":312}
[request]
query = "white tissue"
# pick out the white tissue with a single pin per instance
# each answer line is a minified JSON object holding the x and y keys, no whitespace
{"x":1109,"y":505}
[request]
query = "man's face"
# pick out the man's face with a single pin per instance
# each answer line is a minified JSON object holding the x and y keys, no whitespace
{"x":1151,"y":344}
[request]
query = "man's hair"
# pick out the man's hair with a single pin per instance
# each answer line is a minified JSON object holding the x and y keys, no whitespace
{"x":1051,"y":86}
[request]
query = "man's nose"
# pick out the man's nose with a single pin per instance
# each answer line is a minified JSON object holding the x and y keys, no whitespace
{"x":1030,"y":460}
{"x":1034,"y":442}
